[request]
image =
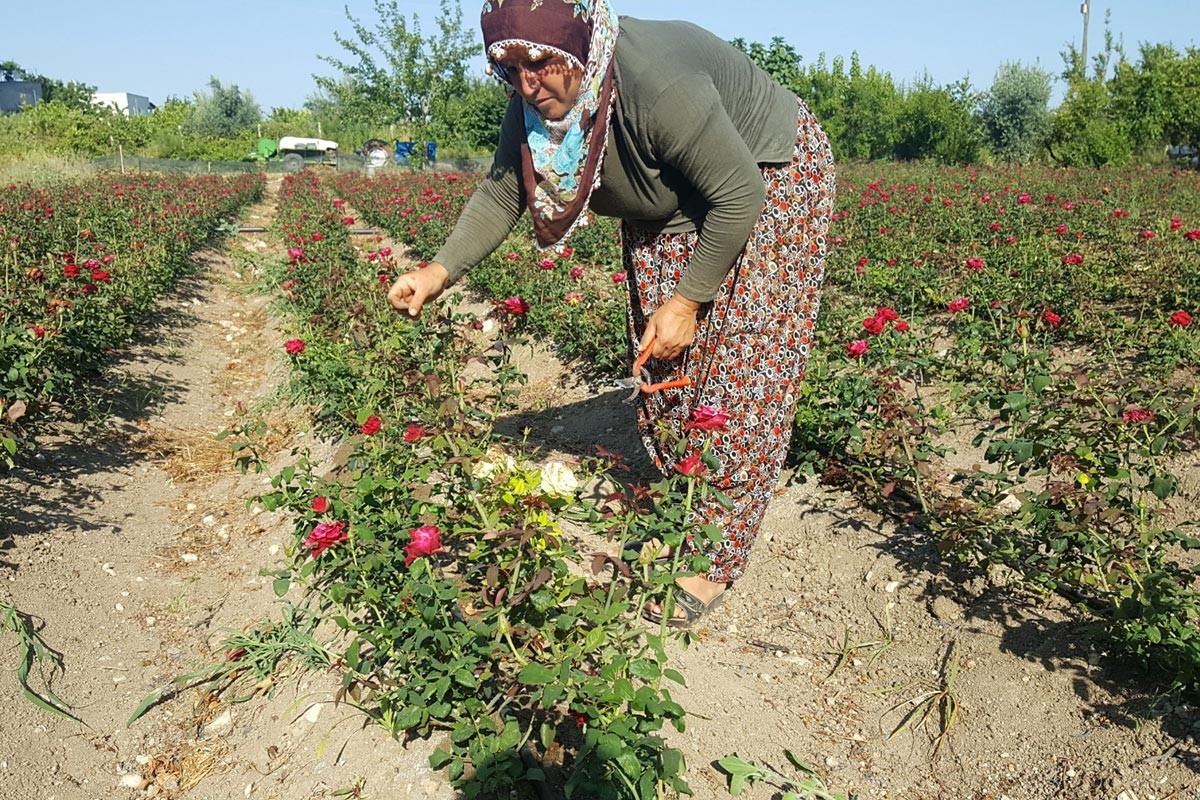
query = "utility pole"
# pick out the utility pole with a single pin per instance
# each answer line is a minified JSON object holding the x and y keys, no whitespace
{"x":1084,"y":9}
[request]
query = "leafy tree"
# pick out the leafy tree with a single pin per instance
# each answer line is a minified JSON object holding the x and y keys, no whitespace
{"x":935,"y":122}
{"x":1158,"y":99}
{"x":396,"y":75}
{"x":471,"y":120}
{"x":1015,"y":112}
{"x":779,"y":60}
{"x":223,"y":113}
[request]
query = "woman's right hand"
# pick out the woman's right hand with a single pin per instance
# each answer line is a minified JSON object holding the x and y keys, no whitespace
{"x":414,"y":289}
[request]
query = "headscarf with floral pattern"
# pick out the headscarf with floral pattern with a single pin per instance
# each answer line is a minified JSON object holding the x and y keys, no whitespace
{"x":560,"y":159}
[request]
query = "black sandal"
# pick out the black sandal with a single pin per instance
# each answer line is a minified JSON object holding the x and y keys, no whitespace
{"x":694,"y":609}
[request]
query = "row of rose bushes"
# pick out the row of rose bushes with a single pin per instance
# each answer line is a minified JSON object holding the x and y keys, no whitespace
{"x":84,"y":262}
{"x":1045,"y":314}
{"x":465,"y":611}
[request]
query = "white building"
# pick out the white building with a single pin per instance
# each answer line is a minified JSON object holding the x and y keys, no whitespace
{"x":131,"y":105}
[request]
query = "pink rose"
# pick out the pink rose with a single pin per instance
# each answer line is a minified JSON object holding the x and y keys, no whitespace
{"x":325,"y":536}
{"x":708,"y":418}
{"x":573,"y":298}
{"x":975,"y":264}
{"x":426,"y":541}
{"x":857,"y":348}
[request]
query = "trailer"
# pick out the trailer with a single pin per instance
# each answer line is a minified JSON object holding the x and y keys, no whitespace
{"x":297,"y":152}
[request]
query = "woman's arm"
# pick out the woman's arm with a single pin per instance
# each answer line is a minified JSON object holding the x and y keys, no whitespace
{"x":488,"y":218}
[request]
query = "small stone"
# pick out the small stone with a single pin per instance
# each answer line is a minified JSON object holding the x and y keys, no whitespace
{"x":151,"y":620}
{"x":313,"y":713}
{"x":219,"y":723}
{"x":118,"y":679}
{"x":143,"y":760}
{"x":891,"y":586}
{"x":189,"y":558}
{"x":831,"y":761}
{"x":1009,"y":505}
{"x":131,"y":780}
{"x":209,"y":519}
{"x":945,"y":609}
{"x":273,"y":549}
{"x":191,"y":506}
{"x":119,"y":607}
{"x":1127,"y":796}
{"x":732,"y":628}
{"x":108,"y":569}
{"x":248,"y":790}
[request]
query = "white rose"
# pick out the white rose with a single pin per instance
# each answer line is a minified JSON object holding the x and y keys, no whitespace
{"x":492,"y":462}
{"x":558,"y":480}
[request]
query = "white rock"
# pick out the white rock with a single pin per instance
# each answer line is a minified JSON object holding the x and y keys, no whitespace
{"x":209,"y":519}
{"x":190,"y":558}
{"x":221,"y":722}
{"x":273,"y":549}
{"x":108,"y":569}
{"x":1009,"y":505}
{"x":131,"y":780}
{"x":151,"y":620}
{"x":1127,"y":796}
{"x":313,"y":713}
{"x":891,"y":586}
{"x":249,"y":789}
{"x":191,"y":506}
{"x":119,"y":607}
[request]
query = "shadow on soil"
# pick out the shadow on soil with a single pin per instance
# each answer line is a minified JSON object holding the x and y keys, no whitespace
{"x":48,"y":489}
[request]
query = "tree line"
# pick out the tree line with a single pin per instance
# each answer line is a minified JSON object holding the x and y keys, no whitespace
{"x":393,"y":80}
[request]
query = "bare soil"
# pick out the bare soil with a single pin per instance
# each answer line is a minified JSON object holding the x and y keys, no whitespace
{"x":137,"y":546}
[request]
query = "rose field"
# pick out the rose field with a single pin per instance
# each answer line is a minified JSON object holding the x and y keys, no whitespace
{"x":1000,"y":424}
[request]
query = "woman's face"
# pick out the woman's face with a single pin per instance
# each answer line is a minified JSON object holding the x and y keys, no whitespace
{"x":547,"y":83}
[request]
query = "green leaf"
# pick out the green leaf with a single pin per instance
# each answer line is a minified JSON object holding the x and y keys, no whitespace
{"x":1164,"y":486}
{"x":1040,"y":382}
{"x":440,"y":758}
{"x":535,"y":675}
{"x":281,"y":585}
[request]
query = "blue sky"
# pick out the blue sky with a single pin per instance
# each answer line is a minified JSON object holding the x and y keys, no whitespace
{"x":270,"y":47}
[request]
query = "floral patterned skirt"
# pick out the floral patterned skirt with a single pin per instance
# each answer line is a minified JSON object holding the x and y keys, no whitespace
{"x":751,"y":345}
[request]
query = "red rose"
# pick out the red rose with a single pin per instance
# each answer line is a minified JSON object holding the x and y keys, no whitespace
{"x":516,"y":306}
{"x":887,"y":313}
{"x":547,"y":263}
{"x":708,"y":418}
{"x":372,"y":425}
{"x":1193,"y":235}
{"x":426,"y":541}
{"x":618,"y":277}
{"x":958,"y":304}
{"x":294,"y":347}
{"x":101,"y":275}
{"x":1074,"y":259}
{"x":1061,"y":230}
{"x":576,"y":273}
{"x":413,"y":432}
{"x":874,"y":325}
{"x":1147,"y":234}
{"x":857,"y":348}
{"x":1024,"y":198}
{"x":1176,"y":223}
{"x":691,"y":466}
{"x":1135,"y":414}
{"x":975,"y":264}
{"x":71,"y":271}
{"x":1051,"y":319}
{"x":513,"y":256}
{"x":901,"y":325}
{"x":320,"y":504}
{"x":1181,"y":319}
{"x":325,"y":536}
{"x":347,"y":220}
{"x":318,"y":236}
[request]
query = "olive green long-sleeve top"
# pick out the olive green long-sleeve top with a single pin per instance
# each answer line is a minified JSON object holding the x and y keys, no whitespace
{"x":694,"y":119}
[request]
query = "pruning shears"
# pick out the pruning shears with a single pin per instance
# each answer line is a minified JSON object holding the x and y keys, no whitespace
{"x":640,"y":382}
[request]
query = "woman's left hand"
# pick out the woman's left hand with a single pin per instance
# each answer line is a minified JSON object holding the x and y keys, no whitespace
{"x":671,"y":328}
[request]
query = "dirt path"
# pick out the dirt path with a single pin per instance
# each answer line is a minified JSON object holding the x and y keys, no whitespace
{"x":135,"y":545}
